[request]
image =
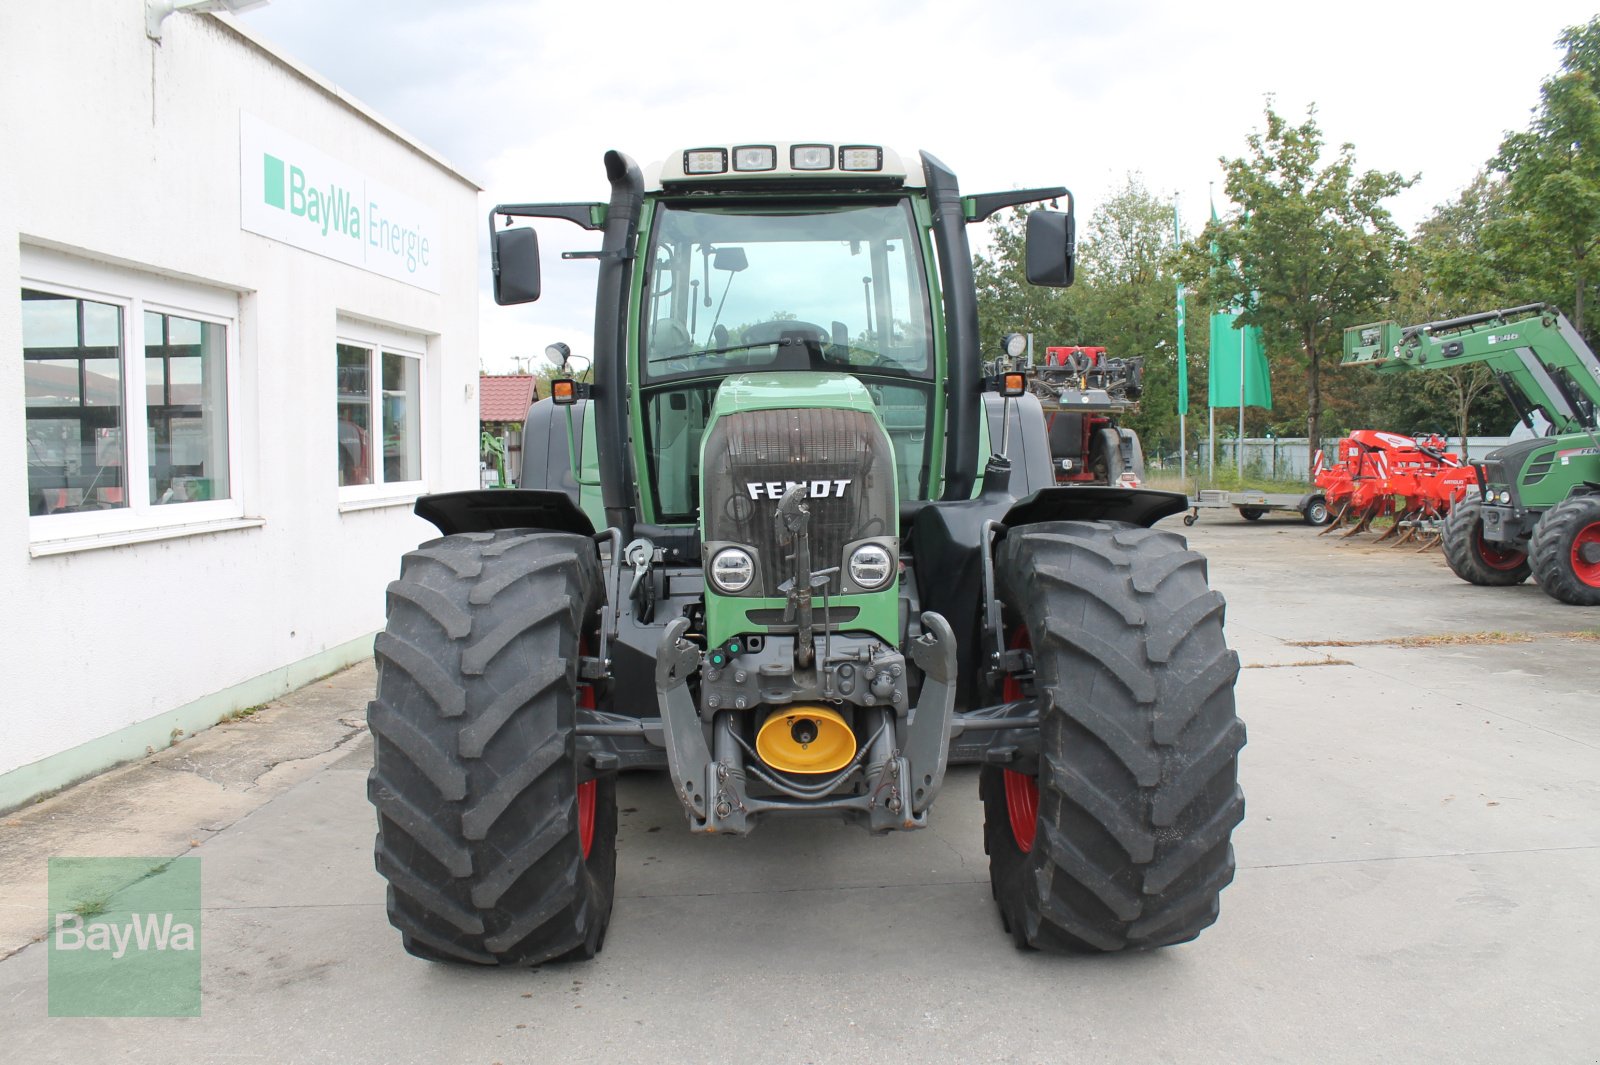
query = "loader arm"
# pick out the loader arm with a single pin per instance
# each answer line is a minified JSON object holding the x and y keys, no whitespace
{"x":1533,"y":351}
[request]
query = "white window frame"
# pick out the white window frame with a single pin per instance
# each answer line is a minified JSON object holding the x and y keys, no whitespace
{"x":379,"y":340}
{"x":133,"y":292}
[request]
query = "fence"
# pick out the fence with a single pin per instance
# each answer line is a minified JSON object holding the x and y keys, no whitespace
{"x":1286,"y":458}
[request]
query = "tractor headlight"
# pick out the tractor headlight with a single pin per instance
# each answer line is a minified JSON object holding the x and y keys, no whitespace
{"x":1505,"y":497}
{"x":732,"y":570}
{"x":871,"y":566}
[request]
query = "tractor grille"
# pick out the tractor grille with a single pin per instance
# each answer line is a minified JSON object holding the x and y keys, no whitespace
{"x":842,"y":455}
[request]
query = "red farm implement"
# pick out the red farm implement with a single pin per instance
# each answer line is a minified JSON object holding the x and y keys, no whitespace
{"x":1413,"y":480}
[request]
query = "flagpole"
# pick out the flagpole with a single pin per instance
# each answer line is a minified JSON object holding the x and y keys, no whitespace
{"x":1238,"y":448}
{"x":1211,"y":357}
{"x":1183,"y":366}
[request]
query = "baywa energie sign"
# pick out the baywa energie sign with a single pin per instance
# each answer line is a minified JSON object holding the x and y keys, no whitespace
{"x":291,"y":192}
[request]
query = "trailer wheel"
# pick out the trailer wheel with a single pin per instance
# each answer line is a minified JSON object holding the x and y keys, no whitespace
{"x":498,"y":844}
{"x":1121,"y":839}
{"x":1251,"y":513}
{"x":1565,"y":553}
{"x":1316,"y":512}
{"x":1474,"y":559}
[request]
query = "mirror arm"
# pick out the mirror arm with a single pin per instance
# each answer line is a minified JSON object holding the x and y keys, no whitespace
{"x":978,"y":208}
{"x":597,"y":255}
{"x":587,"y":215}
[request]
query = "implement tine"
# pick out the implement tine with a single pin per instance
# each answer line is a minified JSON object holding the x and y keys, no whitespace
{"x":1393,"y":530}
{"x":1362,"y":525}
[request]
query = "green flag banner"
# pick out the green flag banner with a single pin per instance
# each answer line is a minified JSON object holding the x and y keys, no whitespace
{"x":1233,"y":348}
{"x":1183,"y":353}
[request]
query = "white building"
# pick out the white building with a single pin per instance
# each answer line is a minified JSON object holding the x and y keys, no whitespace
{"x":242,"y":338}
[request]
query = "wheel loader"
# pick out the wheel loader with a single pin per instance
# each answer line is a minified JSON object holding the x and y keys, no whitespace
{"x":790,"y":545}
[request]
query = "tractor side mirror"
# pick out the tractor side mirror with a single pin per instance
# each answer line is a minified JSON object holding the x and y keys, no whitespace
{"x":730,"y":259}
{"x":1051,"y":247}
{"x":514,"y":261}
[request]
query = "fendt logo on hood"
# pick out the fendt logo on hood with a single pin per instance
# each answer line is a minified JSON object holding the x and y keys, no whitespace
{"x":814,"y":489}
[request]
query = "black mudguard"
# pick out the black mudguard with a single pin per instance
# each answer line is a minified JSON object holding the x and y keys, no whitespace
{"x":1139,"y":506}
{"x":487,"y":509}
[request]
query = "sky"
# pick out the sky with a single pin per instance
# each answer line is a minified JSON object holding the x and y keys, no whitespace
{"x":526,"y":97}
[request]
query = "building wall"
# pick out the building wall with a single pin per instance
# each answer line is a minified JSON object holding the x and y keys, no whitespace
{"x":122,"y":151}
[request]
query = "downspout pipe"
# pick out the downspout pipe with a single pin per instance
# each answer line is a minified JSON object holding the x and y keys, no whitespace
{"x":610,"y":387}
{"x":962,"y":411}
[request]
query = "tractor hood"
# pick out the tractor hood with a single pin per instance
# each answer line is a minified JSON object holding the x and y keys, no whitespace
{"x":769,"y":432}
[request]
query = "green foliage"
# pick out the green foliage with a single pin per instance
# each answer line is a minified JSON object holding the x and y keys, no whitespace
{"x":1552,"y":169}
{"x":1312,"y":250}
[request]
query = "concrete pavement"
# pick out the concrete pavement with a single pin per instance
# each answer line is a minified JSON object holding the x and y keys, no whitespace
{"x":1418,"y":882}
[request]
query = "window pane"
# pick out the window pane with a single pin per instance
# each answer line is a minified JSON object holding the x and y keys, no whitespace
{"x":401,"y":402}
{"x":186,"y":366}
{"x":355,"y":414}
{"x":72,"y":384}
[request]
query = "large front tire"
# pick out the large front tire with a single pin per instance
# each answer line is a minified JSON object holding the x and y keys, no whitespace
{"x":498,"y":845}
{"x":1565,"y":553}
{"x":1474,"y":559}
{"x":1122,"y":839}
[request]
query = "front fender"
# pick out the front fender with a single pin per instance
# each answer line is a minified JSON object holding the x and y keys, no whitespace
{"x":488,"y":509}
{"x":1138,"y":506}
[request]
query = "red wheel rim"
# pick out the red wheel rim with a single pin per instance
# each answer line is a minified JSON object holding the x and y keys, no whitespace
{"x":587,"y":789}
{"x":1587,"y":572}
{"x":1022,"y":802}
{"x":1494,"y":558}
{"x":586,"y":796}
{"x":1022,"y":790}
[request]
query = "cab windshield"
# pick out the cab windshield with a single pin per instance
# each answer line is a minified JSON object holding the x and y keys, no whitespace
{"x":734,"y":289}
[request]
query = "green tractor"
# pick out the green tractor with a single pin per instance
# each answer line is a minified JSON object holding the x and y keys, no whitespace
{"x":795,"y":547}
{"x":1538,"y":506}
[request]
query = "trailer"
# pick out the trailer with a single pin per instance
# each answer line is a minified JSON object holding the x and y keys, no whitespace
{"x":1312,"y":506}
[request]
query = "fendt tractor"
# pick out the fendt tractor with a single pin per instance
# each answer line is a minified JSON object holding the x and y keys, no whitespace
{"x":1538,"y":506}
{"x":793,"y":547}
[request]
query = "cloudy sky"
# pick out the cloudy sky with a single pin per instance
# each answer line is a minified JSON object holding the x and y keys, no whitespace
{"x":527,"y":96}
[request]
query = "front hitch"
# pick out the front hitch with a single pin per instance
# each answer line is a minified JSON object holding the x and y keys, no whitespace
{"x":903,"y":766}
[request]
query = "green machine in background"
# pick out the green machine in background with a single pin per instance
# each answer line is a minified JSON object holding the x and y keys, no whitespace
{"x":797,"y":547}
{"x":1538,"y":509}
{"x":490,"y":444}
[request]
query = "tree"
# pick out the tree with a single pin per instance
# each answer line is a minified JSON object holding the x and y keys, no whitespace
{"x":1312,"y":249}
{"x":1553,"y":170}
{"x":1460,"y":387}
{"x":1459,"y":264}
